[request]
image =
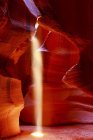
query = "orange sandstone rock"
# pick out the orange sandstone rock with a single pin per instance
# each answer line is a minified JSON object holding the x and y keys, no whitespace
{"x":11,"y":103}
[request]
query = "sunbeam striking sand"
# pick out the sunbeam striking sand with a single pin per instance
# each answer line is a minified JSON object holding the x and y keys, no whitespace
{"x":37,"y":80}
{"x":37,"y":134}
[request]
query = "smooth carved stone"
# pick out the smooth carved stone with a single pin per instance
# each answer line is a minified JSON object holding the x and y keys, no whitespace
{"x":81,"y":75}
{"x":10,"y":51}
{"x":11,"y":103}
{"x":13,"y":43}
{"x":56,"y":66}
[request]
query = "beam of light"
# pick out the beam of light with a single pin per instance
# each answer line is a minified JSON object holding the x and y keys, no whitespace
{"x":32,"y":7}
{"x":36,"y":25}
{"x":37,"y":80}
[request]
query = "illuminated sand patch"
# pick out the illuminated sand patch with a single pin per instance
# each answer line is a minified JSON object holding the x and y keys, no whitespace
{"x":37,"y":134}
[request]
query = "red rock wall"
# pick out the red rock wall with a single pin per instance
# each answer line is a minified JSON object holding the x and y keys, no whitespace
{"x":61,"y":104}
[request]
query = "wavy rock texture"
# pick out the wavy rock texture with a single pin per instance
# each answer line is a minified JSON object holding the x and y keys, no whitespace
{"x":68,"y":43}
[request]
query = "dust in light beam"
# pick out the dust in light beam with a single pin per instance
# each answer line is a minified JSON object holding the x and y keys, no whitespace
{"x":37,"y":68}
